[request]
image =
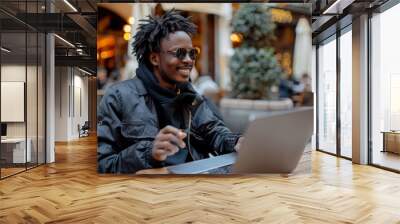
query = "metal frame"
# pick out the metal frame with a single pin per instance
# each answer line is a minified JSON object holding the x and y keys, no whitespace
{"x":37,"y":164}
{"x":380,"y":9}
{"x":338,"y":98}
{"x":387,"y":5}
{"x":369,"y":87}
{"x":339,"y":32}
{"x":317,"y":96}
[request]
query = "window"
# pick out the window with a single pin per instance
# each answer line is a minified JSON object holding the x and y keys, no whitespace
{"x":346,"y":93}
{"x":327,"y":96}
{"x":23,"y":88}
{"x":385,"y":87}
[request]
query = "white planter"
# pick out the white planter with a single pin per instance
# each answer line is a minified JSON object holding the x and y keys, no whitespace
{"x":237,"y":113}
{"x":266,"y":105}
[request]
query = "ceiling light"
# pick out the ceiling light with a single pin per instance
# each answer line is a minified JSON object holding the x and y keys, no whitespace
{"x":70,"y":5}
{"x":131,"y":20}
{"x":79,"y":51}
{"x":127,"y":28}
{"x":127,"y":36}
{"x":106,"y":54}
{"x":5,"y":49}
{"x":65,"y":41}
{"x":236,"y":37}
{"x":338,"y":6}
{"x":84,"y":71}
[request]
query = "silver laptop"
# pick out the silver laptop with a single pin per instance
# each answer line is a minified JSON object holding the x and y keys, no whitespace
{"x":272,"y":144}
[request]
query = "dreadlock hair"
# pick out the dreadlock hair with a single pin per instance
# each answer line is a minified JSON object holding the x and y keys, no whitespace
{"x":154,"y":28}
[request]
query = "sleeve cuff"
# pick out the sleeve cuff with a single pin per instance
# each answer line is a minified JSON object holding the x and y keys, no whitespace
{"x":231,"y":141}
{"x":153,"y":162}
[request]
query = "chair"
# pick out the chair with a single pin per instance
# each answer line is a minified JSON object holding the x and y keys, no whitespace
{"x":84,"y":130}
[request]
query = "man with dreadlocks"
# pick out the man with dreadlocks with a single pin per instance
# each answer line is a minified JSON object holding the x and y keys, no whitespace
{"x":157,"y":119}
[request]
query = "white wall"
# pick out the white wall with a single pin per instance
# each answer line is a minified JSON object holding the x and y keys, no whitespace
{"x":223,"y":46}
{"x":70,"y":83}
{"x":33,"y":127}
{"x":79,"y":117}
{"x":61,"y":103}
{"x":17,"y":73}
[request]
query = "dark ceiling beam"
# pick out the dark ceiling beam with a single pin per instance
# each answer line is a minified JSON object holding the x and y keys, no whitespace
{"x":81,"y":61}
{"x":91,"y":5}
{"x":16,"y":18}
{"x":48,"y":22}
{"x":84,"y":24}
{"x":337,"y":7}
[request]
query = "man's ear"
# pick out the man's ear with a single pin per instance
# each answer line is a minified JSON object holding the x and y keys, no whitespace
{"x":154,"y":59}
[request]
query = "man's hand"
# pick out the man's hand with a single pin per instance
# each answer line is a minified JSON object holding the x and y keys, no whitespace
{"x":166,"y":143}
{"x":238,"y":144}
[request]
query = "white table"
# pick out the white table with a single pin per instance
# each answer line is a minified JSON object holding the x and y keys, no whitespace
{"x":18,"y":148}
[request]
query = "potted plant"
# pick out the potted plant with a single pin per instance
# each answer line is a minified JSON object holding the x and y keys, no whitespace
{"x":254,"y":67}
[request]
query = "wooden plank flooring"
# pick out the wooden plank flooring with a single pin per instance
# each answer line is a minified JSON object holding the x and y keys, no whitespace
{"x":70,"y":191}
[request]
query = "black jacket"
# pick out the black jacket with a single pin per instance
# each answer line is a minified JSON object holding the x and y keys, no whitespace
{"x":128,"y":124}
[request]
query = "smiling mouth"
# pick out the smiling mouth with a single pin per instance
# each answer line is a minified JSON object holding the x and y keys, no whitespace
{"x":185,"y":71}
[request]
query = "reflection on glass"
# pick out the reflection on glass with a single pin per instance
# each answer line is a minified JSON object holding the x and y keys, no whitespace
{"x":41,"y":99}
{"x":327,"y":97}
{"x":22,"y":89}
{"x":385,"y":87}
{"x":31,"y":101}
{"x":13,"y":84}
{"x":346,"y":94}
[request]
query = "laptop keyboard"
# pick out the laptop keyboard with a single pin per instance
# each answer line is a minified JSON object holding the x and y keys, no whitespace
{"x":220,"y":170}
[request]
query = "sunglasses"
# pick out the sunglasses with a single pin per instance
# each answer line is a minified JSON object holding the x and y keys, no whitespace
{"x":181,"y":53}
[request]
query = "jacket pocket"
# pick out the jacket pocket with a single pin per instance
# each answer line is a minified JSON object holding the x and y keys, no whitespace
{"x":138,"y":130}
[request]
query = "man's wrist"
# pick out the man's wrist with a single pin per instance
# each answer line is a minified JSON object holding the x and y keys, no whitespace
{"x":154,"y":162}
{"x":231,"y":141}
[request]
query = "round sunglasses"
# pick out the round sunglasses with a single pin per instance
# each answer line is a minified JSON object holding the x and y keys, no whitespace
{"x":181,"y":53}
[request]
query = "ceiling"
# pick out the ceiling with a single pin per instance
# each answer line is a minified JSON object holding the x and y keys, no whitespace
{"x":18,"y":17}
{"x":21,"y":21}
{"x":328,"y":15}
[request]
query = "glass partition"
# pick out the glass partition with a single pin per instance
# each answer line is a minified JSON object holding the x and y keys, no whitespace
{"x":327,"y":96}
{"x":13,"y":95}
{"x":22,"y":87}
{"x":346,"y":94}
{"x":385,"y":89}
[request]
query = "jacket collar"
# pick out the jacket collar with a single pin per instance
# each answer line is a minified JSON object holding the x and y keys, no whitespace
{"x":141,"y":90}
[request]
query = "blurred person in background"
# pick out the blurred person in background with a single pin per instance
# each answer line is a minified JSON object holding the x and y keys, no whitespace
{"x":205,"y":86}
{"x":301,"y":92}
{"x":157,"y":119}
{"x":101,"y":77}
{"x":288,"y":87}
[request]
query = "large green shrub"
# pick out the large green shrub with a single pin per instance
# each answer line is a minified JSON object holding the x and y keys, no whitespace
{"x":253,"y":66}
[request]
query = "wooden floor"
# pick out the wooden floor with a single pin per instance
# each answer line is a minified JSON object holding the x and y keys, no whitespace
{"x":386,"y":159}
{"x":70,"y":191}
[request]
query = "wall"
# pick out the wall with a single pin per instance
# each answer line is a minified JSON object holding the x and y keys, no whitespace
{"x":33,"y":127}
{"x":62,"y":81}
{"x":71,"y":102}
{"x":223,"y":48}
{"x":17,"y":73}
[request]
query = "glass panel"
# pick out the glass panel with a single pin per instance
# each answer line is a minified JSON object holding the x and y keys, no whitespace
{"x":346,"y":94}
{"x":31,"y":85}
{"x":41,"y":99}
{"x":327,"y":97}
{"x":313,"y":87}
{"x":386,"y":89}
{"x":31,"y":100}
{"x":13,"y":85}
{"x":22,"y":78}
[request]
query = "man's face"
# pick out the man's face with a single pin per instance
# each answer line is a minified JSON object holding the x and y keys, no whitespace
{"x":170,"y":68}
